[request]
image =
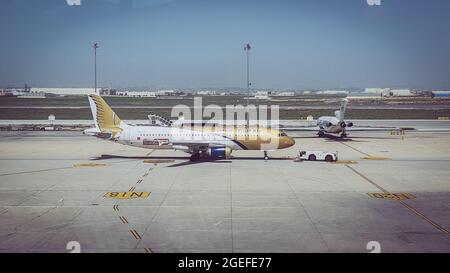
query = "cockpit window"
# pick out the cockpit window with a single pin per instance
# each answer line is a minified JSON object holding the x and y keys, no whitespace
{"x":282,"y":134}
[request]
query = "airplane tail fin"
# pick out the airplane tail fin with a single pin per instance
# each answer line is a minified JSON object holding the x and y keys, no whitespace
{"x":340,"y":114}
{"x":104,"y":117}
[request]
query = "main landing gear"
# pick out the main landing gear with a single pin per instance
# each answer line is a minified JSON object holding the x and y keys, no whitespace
{"x":344,"y":134}
{"x":195,"y":157}
{"x":321,"y":134}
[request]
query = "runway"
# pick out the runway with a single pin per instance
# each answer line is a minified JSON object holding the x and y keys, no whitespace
{"x":57,"y":187}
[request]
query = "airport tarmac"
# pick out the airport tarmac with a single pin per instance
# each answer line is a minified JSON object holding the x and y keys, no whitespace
{"x":56,"y":187}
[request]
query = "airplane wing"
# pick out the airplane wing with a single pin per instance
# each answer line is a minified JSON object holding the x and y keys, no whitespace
{"x":305,"y":128}
{"x":191,"y":147}
{"x":198,"y":144}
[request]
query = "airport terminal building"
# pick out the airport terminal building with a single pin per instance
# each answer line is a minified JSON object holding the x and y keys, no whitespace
{"x":64,"y":90}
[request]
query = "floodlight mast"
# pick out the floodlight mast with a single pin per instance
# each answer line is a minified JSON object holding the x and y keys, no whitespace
{"x":95,"y":46}
{"x":247,"y":48}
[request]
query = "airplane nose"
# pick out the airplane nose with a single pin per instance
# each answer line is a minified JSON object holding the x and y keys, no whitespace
{"x":286,"y":142}
{"x":290,"y":142}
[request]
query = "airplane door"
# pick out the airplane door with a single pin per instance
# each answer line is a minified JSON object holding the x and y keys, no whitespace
{"x":126,"y":137}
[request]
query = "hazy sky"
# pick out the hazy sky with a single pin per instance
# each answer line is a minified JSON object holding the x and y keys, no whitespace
{"x":200,"y":43}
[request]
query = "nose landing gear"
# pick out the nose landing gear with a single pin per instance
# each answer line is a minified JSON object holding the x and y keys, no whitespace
{"x":266,"y":157}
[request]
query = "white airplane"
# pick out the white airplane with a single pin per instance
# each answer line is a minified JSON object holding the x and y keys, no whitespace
{"x":336,"y":125}
{"x":211,"y":142}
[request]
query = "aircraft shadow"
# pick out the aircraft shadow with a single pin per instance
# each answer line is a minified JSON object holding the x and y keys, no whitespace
{"x":188,"y":162}
{"x":105,"y":157}
{"x":353,"y":138}
{"x":330,"y":138}
{"x":186,"y":158}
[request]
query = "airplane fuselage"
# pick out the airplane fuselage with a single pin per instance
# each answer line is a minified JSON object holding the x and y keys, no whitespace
{"x":331,"y":125}
{"x":236,"y":138}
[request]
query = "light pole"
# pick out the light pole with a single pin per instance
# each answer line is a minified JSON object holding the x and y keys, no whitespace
{"x":95,"y":46}
{"x":247,"y":49}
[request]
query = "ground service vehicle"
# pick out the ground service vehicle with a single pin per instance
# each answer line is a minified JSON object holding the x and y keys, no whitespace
{"x":317,"y":156}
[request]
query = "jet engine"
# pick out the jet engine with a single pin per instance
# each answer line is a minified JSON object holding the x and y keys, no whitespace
{"x":350,"y":124}
{"x":221,"y":152}
{"x":342,"y":124}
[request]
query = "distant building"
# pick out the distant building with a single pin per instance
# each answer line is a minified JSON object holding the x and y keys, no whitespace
{"x":333,"y":92}
{"x":262,"y":95}
{"x":306,"y":92}
{"x":364,"y":95}
{"x":207,"y":93}
{"x":14,"y":92}
{"x":108,"y":92}
{"x":387,"y":92}
{"x":32,"y":95}
{"x":138,"y":94}
{"x":441,"y":94}
{"x":284,"y":94}
{"x":377,"y":90}
{"x":400,"y":92}
{"x":423,"y":93}
{"x":165,"y":93}
{"x":64,"y":90}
